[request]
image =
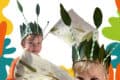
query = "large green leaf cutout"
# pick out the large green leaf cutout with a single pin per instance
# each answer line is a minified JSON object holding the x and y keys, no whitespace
{"x":113,"y":31}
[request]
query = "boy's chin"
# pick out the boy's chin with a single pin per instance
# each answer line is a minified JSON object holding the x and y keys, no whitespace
{"x":36,"y":53}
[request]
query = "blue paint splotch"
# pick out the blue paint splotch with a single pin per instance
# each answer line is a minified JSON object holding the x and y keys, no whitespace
{"x":115,"y":51}
{"x":5,"y":61}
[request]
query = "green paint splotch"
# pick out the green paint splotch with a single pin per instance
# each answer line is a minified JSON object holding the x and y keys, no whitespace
{"x":113,"y":31}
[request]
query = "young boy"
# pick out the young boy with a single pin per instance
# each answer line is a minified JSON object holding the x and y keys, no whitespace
{"x":32,"y":37}
{"x":31,"y":66}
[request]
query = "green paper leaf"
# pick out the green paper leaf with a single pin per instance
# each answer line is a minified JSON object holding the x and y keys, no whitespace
{"x":107,"y":62}
{"x":97,"y":17}
{"x":37,"y":9}
{"x":81,"y":48}
{"x":96,"y":51}
{"x":101,"y":53}
{"x":88,"y":48}
{"x":65,"y":16}
{"x":85,"y":48}
{"x":74,"y":54}
{"x":19,"y":6}
{"x":22,"y":29}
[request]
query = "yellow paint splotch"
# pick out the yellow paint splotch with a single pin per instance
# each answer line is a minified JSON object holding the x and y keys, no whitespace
{"x":3,"y":4}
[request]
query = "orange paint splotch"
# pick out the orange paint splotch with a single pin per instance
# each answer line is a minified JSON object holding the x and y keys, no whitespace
{"x":118,"y":4}
{"x":118,"y":72}
{"x":111,"y":73}
{"x":3,"y":27}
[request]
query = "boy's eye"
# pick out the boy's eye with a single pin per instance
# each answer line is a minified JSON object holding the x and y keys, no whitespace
{"x":30,"y":42}
{"x":81,"y":78}
{"x":94,"y":78}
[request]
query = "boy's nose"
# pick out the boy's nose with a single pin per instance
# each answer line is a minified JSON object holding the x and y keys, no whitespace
{"x":35,"y":45}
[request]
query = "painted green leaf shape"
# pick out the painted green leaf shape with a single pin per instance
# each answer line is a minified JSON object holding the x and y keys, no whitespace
{"x":97,"y":17}
{"x":65,"y":16}
{"x":113,"y":31}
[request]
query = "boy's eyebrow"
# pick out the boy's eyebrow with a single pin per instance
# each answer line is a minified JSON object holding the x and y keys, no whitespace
{"x":30,"y":39}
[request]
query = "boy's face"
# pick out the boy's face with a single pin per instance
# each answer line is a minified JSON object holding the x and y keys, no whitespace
{"x":93,"y":72}
{"x":33,"y":43}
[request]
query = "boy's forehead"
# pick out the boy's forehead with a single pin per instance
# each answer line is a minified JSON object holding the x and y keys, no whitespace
{"x":94,"y":68}
{"x":91,"y":67}
{"x":92,"y":71}
{"x":32,"y":36}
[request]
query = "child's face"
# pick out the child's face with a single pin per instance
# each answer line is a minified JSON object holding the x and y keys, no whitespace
{"x":33,"y":43}
{"x":91,"y":72}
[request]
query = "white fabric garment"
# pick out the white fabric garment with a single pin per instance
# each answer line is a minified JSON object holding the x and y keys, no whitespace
{"x":43,"y":69}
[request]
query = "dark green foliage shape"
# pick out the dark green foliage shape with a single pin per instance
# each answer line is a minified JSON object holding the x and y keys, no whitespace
{"x":65,"y":16}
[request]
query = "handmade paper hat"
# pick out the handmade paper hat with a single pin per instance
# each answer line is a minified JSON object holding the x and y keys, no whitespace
{"x":31,"y":27}
{"x":88,"y":48}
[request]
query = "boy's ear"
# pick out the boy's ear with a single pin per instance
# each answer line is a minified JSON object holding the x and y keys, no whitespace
{"x":23,"y":43}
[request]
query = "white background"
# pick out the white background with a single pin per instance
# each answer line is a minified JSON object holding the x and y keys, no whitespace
{"x":54,"y":49}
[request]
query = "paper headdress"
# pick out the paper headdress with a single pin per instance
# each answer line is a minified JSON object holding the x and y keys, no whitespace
{"x":90,"y":50}
{"x":31,"y":27}
{"x":86,"y":48}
